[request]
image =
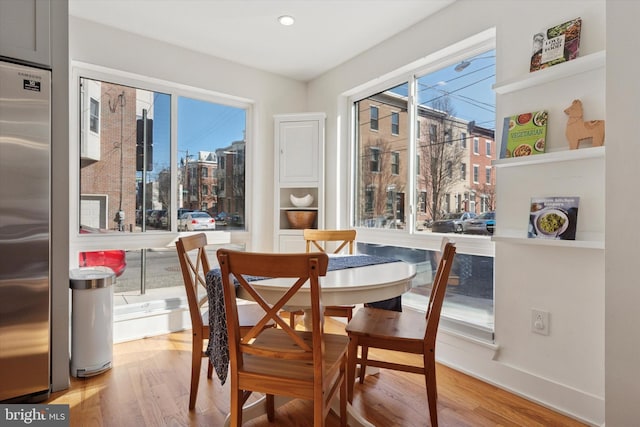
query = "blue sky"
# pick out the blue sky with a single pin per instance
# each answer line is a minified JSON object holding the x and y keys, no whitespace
{"x":469,"y":90}
{"x":202,"y":126}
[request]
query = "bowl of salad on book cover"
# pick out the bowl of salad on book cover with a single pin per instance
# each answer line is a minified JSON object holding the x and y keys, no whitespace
{"x":552,"y":222}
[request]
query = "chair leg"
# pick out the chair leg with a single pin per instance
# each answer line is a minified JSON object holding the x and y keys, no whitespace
{"x":343,"y":397}
{"x":432,"y":390}
{"x":352,"y":358}
{"x":271,"y":407}
{"x":196,"y":363}
{"x":292,"y":319}
{"x":363,"y":362}
{"x":209,"y":368}
{"x":237,"y":399}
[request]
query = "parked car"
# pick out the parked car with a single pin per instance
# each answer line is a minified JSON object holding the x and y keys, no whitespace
{"x":222,"y":218}
{"x":115,"y":259}
{"x":192,"y":221}
{"x":182,"y":211}
{"x":451,"y":222}
{"x":484,"y":223}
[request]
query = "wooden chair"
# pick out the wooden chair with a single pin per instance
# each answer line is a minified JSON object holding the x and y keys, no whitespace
{"x":282,"y":361}
{"x":407,"y":331}
{"x":195,"y":265}
{"x":312,"y":237}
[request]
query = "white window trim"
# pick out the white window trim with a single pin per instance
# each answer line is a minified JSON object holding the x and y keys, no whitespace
{"x":475,"y":176}
{"x":136,"y":241}
{"x":453,"y":54}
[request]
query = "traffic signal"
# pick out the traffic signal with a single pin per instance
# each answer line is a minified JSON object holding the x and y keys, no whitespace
{"x":140,"y":145}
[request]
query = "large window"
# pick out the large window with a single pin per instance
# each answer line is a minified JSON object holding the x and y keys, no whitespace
{"x":447,"y":105}
{"x":146,"y":156}
{"x":126,"y":160}
{"x":211,"y":166}
{"x":124,"y":165}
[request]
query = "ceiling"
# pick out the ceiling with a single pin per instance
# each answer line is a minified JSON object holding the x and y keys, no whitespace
{"x":326,"y":32}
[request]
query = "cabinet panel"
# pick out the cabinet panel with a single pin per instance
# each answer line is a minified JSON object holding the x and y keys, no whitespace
{"x":299,"y":162}
{"x":299,"y":142}
{"x":25,"y":30}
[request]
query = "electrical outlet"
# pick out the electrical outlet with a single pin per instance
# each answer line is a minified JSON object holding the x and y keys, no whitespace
{"x":540,"y":321}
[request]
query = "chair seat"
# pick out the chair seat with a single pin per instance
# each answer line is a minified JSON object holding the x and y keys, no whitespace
{"x":299,"y":372}
{"x":379,"y":323}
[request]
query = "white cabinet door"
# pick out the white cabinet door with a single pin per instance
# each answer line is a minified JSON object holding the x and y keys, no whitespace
{"x":299,"y":151}
{"x":25,"y":30}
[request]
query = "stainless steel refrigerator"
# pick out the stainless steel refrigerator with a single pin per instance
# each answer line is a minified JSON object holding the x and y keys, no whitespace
{"x":25,"y":135}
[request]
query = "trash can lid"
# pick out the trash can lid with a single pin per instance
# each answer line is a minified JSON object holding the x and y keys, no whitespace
{"x":91,"y":277}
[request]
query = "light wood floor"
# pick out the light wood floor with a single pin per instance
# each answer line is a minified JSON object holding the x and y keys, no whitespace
{"x":149,"y":386}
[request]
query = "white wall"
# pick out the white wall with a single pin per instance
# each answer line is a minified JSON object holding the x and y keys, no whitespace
{"x":564,"y":370}
{"x":271,"y":94}
{"x":622,"y":295}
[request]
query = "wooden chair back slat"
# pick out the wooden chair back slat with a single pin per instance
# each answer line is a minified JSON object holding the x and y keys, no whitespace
{"x":313,"y":237}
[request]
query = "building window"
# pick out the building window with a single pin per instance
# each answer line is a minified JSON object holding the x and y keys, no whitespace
{"x":476,"y":172}
{"x":476,"y":145}
{"x":433,"y":133}
{"x":488,"y":147}
{"x":374,"y":159}
{"x":205,"y":172}
{"x":395,"y":163}
{"x":418,"y":129}
{"x":395,"y":123}
{"x":448,"y":136}
{"x":487,"y":173}
{"x":463,"y":171}
{"x":94,"y":116}
{"x":449,"y":169}
{"x":373,"y":121}
{"x":368,"y":203}
{"x":422,"y":202}
{"x":463,"y":139}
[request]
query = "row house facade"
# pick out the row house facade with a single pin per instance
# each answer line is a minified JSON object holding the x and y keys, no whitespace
{"x":200,"y":182}
{"x":452,"y":164}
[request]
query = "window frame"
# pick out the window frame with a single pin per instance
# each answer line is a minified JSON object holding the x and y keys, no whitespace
{"x":374,"y":123}
{"x":136,"y":241}
{"x":94,"y":118}
{"x":395,"y":163}
{"x":410,"y":237}
{"x":395,"y":123}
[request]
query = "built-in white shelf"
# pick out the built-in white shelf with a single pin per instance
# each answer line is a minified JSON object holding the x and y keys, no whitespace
{"x":586,"y":244}
{"x":552,"y":157}
{"x":581,"y":64}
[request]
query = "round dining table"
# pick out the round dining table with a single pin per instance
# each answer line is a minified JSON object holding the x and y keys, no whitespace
{"x":354,"y":285}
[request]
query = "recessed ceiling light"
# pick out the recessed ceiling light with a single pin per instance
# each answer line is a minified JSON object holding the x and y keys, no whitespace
{"x":286,"y":20}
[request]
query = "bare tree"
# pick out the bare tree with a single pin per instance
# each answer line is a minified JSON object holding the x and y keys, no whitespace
{"x":440,"y":156}
{"x":489,"y":193}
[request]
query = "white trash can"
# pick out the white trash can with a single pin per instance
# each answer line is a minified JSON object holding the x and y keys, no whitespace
{"x":91,"y":320}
